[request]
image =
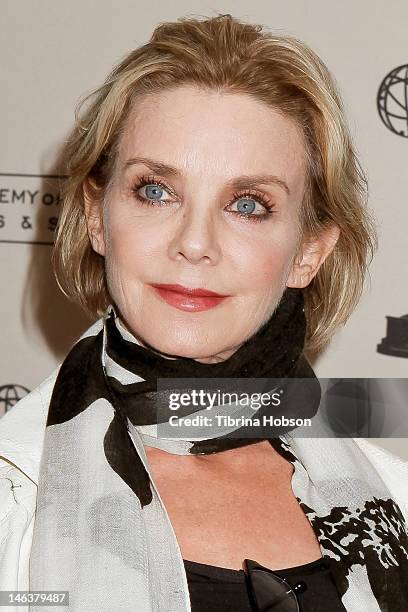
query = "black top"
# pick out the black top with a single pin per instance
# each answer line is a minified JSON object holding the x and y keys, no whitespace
{"x":220,"y":589}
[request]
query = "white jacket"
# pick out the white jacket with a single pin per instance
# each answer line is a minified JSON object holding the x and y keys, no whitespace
{"x":21,"y":441}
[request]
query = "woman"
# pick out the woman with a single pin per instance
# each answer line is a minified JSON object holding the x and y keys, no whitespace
{"x":214,"y":219}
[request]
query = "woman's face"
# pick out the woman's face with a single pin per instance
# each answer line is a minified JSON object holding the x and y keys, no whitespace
{"x":205,"y":194}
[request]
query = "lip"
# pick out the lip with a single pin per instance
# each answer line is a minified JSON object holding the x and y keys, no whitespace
{"x":188,"y":299}
{"x":188,"y":291}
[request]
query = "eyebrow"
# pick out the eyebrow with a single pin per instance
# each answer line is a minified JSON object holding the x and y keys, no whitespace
{"x":245,"y":181}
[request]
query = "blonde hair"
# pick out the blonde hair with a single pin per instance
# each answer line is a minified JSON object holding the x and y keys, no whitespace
{"x":225,"y":54}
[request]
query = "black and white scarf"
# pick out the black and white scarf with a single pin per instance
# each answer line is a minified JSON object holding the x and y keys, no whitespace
{"x":101,"y":530}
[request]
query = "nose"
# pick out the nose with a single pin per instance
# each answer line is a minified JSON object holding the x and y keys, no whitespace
{"x":195,"y":237}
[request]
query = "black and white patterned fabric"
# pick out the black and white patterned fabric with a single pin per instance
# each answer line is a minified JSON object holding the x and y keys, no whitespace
{"x":101,"y":530}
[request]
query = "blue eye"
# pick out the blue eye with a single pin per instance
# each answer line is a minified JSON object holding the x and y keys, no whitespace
{"x":153,"y":191}
{"x":246,"y":205}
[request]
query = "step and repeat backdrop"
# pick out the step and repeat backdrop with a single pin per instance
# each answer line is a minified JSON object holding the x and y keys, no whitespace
{"x":54,"y":53}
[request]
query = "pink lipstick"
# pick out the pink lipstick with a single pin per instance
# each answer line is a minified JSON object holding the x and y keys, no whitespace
{"x":188,"y":299}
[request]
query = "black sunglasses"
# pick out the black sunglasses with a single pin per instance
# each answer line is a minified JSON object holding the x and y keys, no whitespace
{"x":268,"y":592}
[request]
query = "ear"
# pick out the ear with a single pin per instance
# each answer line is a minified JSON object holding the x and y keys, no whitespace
{"x":94,"y":220}
{"x":311,"y":255}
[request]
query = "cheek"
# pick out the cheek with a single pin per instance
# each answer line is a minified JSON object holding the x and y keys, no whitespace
{"x":131,"y":247}
{"x":266,"y":265}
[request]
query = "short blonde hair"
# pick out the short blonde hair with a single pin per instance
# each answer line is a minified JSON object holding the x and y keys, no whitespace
{"x":224,"y":54}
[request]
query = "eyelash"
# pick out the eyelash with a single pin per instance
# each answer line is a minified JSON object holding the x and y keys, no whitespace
{"x":257,"y":196}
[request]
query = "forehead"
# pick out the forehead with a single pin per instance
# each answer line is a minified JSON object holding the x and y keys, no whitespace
{"x":213,"y":133}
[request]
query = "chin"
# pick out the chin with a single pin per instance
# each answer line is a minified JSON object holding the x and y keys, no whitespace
{"x":192,"y":348}
{"x":175,"y":336}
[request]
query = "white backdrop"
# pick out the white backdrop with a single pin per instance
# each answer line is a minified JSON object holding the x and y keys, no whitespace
{"x":53,"y":52}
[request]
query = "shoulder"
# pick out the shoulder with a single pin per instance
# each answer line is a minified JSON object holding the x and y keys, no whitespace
{"x":393,"y":470}
{"x":21,"y":439}
{"x":22,"y":432}
{"x":386,"y":462}
{"x":22,"y":428}
{"x":21,"y":442}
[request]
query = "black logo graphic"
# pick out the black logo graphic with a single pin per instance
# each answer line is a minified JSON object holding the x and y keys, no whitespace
{"x":396,"y":341}
{"x":392,"y":101}
{"x":10,"y":395}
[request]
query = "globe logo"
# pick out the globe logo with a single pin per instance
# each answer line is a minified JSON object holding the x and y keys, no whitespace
{"x":10,"y":395}
{"x":392,"y":101}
